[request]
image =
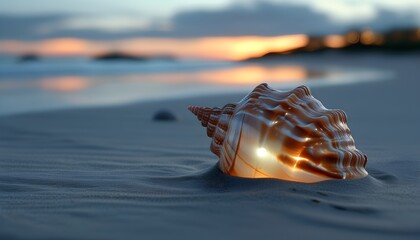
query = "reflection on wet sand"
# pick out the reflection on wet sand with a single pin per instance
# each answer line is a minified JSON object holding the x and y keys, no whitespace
{"x":64,"y":84}
{"x":240,"y":75}
{"x":55,"y":84}
{"x":254,"y":74}
{"x":46,"y":92}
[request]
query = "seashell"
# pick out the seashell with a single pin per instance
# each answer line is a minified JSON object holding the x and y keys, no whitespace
{"x":287,"y":135}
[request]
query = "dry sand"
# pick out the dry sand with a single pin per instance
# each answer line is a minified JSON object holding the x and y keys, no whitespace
{"x":113,"y":173}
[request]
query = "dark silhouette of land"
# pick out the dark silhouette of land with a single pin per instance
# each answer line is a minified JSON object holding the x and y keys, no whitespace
{"x":114,"y":56}
{"x":29,"y":57}
{"x":118,"y":56}
{"x":356,"y":42}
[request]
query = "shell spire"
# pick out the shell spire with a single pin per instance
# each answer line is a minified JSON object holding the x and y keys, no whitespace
{"x":216,"y":120}
{"x":209,"y":117}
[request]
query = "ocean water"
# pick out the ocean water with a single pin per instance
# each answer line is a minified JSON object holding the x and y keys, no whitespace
{"x":55,"y":83}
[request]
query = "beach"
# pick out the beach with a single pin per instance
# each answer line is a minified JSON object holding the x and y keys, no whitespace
{"x":112,"y":172}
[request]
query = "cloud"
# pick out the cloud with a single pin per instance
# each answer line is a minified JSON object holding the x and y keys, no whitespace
{"x":385,"y":19}
{"x":258,"y":18}
{"x":79,"y":26}
{"x":23,"y":27}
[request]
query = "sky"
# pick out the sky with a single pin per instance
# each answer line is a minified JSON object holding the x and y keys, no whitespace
{"x":99,"y":24}
{"x":104,"y":19}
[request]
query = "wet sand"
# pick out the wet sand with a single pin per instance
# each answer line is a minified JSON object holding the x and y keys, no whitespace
{"x":114,"y":173}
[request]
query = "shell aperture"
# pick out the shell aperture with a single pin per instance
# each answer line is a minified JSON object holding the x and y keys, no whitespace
{"x":287,"y":135}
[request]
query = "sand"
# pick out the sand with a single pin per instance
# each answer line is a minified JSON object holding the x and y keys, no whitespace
{"x":113,"y":173}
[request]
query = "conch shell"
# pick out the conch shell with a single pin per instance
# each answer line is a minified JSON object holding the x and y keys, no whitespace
{"x":287,"y":135}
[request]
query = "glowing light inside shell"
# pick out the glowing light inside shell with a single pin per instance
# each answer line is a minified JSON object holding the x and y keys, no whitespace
{"x":262,"y":152}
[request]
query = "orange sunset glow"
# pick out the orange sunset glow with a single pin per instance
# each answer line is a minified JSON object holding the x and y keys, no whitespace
{"x":335,"y":41}
{"x":241,"y":75}
{"x":254,"y":74}
{"x":64,"y":84}
{"x":217,"y":48}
